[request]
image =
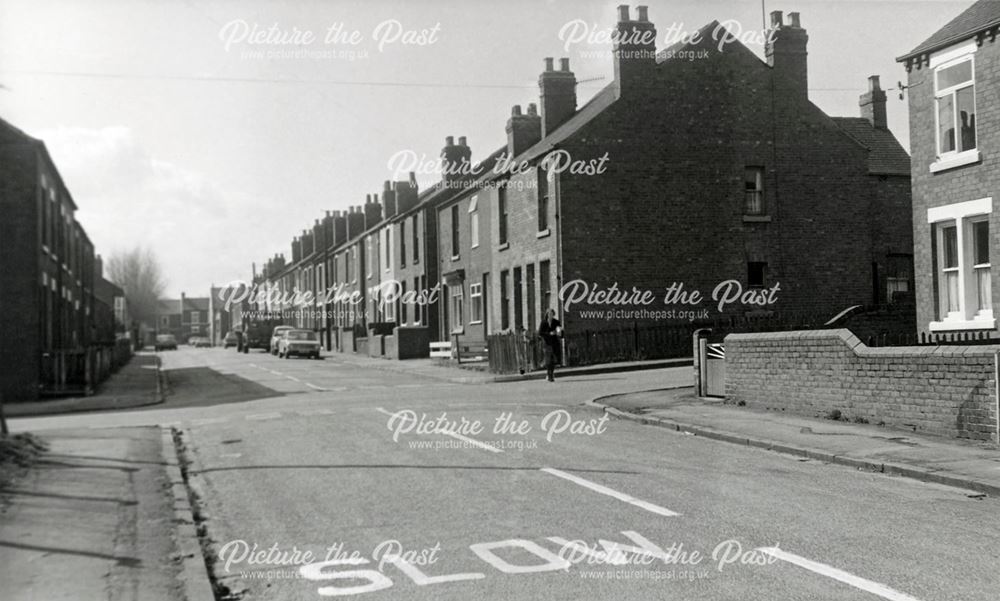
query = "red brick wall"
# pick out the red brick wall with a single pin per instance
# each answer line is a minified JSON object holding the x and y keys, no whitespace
{"x":947,"y":390}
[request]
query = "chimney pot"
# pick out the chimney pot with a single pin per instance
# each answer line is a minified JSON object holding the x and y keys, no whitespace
{"x":564,"y":64}
{"x":873,"y":83}
{"x":643,"y":14}
{"x":515,"y":110}
{"x":548,"y":64}
{"x":793,"y":19}
{"x":386,"y":186}
{"x":449,"y":141}
{"x":776,"y":18}
{"x":623,"y":13}
{"x":532,"y":109}
{"x":461,"y":141}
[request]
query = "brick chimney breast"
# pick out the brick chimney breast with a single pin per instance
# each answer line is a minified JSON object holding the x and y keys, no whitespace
{"x":634,"y":48}
{"x":872,"y":104}
{"x":523,"y":130}
{"x":455,"y":159}
{"x":557,"y":95}
{"x":786,"y":54}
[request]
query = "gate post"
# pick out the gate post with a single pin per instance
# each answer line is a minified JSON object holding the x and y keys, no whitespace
{"x":699,"y":344}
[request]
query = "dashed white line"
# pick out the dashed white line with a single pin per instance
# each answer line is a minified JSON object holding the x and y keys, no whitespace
{"x":314,"y":387}
{"x":312,"y":412}
{"x":864,"y":584}
{"x":263,"y":416}
{"x":604,"y":490}
{"x":293,"y":378}
{"x":207,"y":420}
{"x":455,"y":435}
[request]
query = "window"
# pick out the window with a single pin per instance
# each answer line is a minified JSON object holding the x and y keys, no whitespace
{"x":402,"y":304}
{"x":416,"y":241}
{"x":457,"y":306}
{"x":195,"y":317}
{"x":387,"y":249}
{"x":543,"y":199}
{"x":402,"y":243}
{"x":502,"y":213}
{"x":388,"y":309}
{"x":518,"y":295}
{"x":164,"y":321}
{"x":962,"y":265}
{"x":756,"y":274}
{"x":476,"y":300}
{"x":454,"y":231}
{"x":753,"y":196}
{"x":504,"y":300}
{"x":368,"y":257}
{"x":545,"y":286}
{"x":474,"y":221}
{"x":530,"y":277}
{"x":954,"y":92}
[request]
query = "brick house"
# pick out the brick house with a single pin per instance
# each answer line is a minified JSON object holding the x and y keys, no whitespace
{"x":955,"y":173}
{"x":47,"y":273}
{"x":717,"y":169}
{"x":184,"y":317}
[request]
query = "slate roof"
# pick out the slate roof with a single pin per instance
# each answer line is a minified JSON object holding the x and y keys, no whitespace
{"x":886,"y":155}
{"x":981,"y":15}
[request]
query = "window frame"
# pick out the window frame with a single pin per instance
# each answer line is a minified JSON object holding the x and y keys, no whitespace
{"x":475,"y":303}
{"x":968,"y":314}
{"x":939,"y":62}
{"x":457,"y":308}
{"x":760,"y":173}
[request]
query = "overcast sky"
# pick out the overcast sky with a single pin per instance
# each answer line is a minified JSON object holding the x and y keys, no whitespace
{"x":170,"y":133}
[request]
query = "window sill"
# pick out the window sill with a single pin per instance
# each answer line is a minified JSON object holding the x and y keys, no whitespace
{"x":456,"y":257}
{"x":756,"y":219}
{"x":458,"y":331}
{"x":478,"y":322}
{"x":474,"y":246}
{"x":543,"y":233}
{"x":504,"y":246}
{"x":958,"y":160}
{"x":955,"y":325}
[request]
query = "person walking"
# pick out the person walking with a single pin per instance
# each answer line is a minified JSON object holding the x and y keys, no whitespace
{"x":550,"y":331}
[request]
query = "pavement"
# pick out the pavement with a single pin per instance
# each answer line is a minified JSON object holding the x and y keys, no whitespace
{"x":953,"y":462}
{"x":135,"y":384}
{"x":91,"y":520}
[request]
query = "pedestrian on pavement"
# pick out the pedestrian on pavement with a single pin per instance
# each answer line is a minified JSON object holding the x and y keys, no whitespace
{"x":551,"y":334}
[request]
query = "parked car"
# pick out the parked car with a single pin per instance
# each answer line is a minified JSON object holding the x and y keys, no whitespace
{"x":304,"y":343}
{"x":276,"y":336}
{"x":257,"y":334}
{"x":231,"y":339}
{"x":200,"y":342}
{"x":165,"y":342}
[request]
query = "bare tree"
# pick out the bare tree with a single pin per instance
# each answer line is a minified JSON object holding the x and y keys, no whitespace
{"x":138,"y":273}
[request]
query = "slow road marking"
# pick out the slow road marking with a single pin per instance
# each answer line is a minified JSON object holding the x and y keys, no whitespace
{"x":874,"y":588}
{"x":604,"y":490}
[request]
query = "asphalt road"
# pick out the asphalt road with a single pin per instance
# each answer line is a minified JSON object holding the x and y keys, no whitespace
{"x":336,"y":468}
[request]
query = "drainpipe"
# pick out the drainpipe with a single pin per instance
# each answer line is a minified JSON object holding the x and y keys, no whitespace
{"x":996,"y":395}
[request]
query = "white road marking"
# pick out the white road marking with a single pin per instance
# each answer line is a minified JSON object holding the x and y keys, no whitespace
{"x":874,"y":588}
{"x":466,"y":439}
{"x":310,"y":412}
{"x":293,"y":378}
{"x":231,"y":455}
{"x":207,"y":420}
{"x":263,"y":416}
{"x":314,"y":387}
{"x":604,"y":490}
{"x":409,"y":385}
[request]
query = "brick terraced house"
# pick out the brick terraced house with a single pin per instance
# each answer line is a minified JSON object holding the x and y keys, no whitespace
{"x":58,"y":328}
{"x":954,"y":117}
{"x":714,"y":169}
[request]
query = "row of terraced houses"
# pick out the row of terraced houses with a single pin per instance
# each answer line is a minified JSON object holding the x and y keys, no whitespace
{"x":691,"y":173}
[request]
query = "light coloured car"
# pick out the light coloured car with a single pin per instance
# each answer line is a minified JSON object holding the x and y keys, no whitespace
{"x":276,"y":336}
{"x":303,"y":343}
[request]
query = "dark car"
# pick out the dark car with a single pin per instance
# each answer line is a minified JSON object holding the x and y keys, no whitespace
{"x":165,"y":342}
{"x":231,"y":339}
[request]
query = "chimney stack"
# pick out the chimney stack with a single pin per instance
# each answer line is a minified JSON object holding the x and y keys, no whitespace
{"x":635,"y":47}
{"x":405,"y":194}
{"x":872,"y":104}
{"x":786,"y":55}
{"x":355,"y":223}
{"x":339,"y":227}
{"x":557,"y":91}
{"x":523,"y":130}
{"x":456,"y":159}
{"x":373,"y":211}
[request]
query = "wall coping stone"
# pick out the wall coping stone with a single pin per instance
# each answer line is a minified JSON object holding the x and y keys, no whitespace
{"x":861,"y":349}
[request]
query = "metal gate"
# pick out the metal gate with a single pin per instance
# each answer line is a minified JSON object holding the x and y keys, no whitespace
{"x":714,"y":366}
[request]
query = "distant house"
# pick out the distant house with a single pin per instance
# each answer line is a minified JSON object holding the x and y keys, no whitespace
{"x":954,"y":114}
{"x":184,"y":317}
